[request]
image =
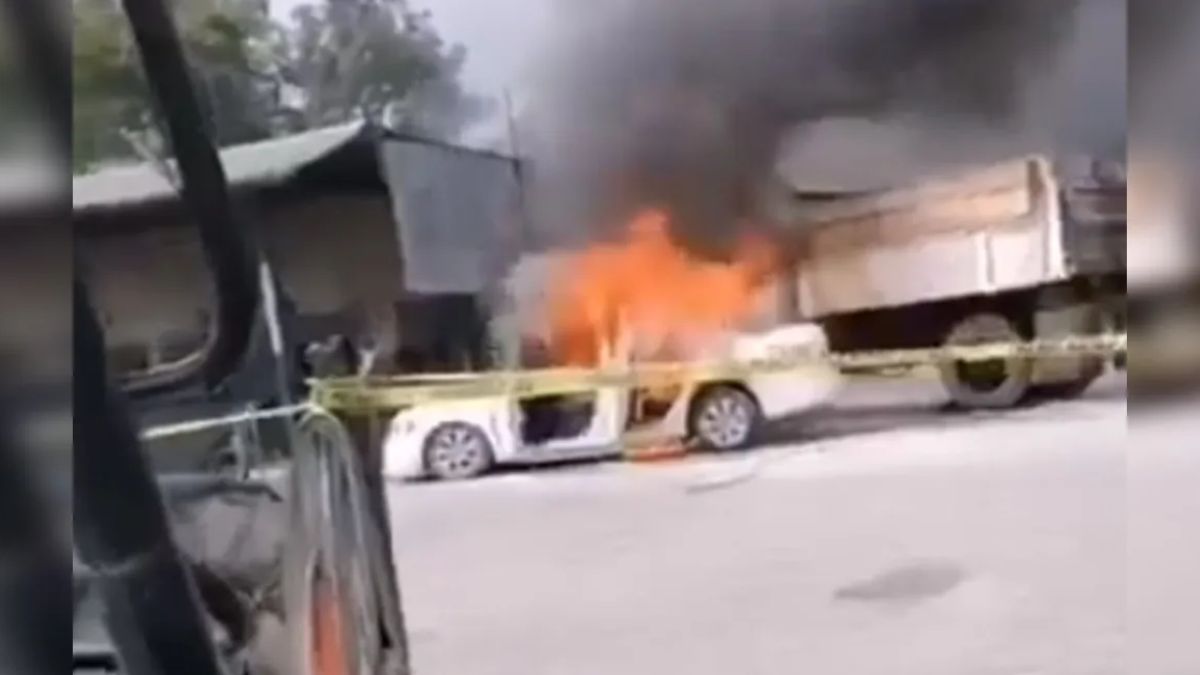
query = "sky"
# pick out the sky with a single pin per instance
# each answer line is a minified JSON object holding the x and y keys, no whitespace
{"x":505,"y":38}
{"x":501,"y":36}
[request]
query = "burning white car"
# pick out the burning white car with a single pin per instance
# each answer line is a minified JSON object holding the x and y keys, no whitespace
{"x":614,"y":305}
{"x":463,"y":439}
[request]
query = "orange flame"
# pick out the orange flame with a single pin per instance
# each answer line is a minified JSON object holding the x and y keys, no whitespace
{"x":652,"y":288}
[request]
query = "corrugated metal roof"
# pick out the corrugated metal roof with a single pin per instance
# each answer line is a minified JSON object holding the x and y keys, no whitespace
{"x":261,"y":163}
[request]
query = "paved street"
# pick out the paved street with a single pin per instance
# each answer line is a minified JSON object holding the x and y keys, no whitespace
{"x":885,"y":536}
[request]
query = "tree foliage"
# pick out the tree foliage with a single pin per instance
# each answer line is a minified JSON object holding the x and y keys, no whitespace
{"x":257,"y":77}
{"x":224,"y":41}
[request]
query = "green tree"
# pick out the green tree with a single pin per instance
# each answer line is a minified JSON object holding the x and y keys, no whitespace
{"x":336,"y":60}
{"x":377,"y":59}
{"x":107,"y":89}
{"x":228,"y":44}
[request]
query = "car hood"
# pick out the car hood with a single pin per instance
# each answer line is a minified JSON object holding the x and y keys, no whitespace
{"x":791,"y":341}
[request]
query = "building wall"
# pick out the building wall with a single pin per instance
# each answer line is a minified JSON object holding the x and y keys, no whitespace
{"x":339,"y":254}
{"x":146,"y":285}
{"x":336,"y":255}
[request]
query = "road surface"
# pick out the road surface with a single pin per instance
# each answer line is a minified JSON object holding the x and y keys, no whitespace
{"x":885,"y":536}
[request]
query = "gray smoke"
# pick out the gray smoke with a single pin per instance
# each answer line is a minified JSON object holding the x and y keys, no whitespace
{"x":687,"y":103}
{"x":1164,"y":72}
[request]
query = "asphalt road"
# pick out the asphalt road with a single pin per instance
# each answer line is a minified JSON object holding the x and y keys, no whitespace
{"x":885,"y":536}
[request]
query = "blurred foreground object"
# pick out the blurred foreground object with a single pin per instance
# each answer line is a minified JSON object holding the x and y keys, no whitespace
{"x":35,"y":605}
{"x":168,"y":608}
{"x":1164,"y":260}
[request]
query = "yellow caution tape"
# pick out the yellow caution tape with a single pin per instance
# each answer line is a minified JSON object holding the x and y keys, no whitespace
{"x":364,"y":395}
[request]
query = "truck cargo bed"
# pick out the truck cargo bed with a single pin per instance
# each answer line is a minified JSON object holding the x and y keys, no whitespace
{"x":1003,"y":228}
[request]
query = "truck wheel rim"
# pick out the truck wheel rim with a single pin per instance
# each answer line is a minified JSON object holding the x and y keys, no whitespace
{"x":983,"y":376}
{"x":456,"y":451}
{"x":724,"y":422}
{"x":329,"y":655}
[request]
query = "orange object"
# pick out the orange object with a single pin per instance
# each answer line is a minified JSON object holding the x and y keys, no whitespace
{"x":329,"y":655}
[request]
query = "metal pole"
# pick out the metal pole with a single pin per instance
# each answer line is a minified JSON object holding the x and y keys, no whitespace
{"x":523,"y":224}
{"x":274,"y":326}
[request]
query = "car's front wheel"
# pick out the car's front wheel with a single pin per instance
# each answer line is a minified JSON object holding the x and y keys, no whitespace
{"x":457,"y":450}
{"x":725,"y":417}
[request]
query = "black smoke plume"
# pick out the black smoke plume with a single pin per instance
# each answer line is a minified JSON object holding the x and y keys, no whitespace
{"x":687,"y":104}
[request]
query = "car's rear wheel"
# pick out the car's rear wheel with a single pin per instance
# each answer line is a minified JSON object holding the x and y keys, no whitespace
{"x":724,"y":417}
{"x":456,"y":451}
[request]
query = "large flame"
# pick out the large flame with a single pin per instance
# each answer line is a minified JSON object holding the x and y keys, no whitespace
{"x":651,"y":288}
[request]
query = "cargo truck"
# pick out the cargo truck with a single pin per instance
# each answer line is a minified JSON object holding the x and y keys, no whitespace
{"x":1030,"y":248}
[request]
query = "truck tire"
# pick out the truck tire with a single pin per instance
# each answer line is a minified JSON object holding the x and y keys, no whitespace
{"x":998,"y":383}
